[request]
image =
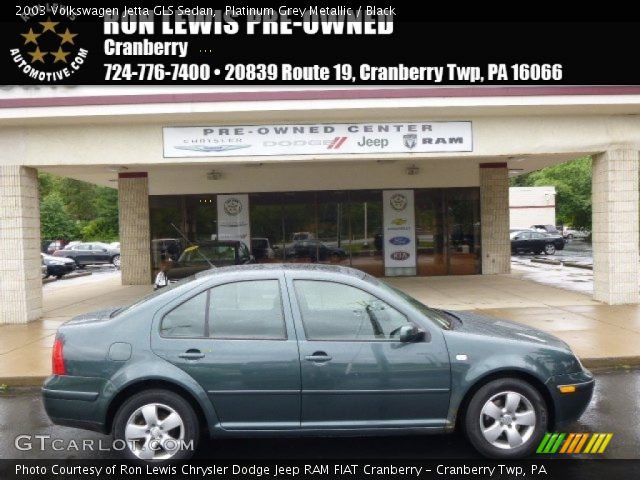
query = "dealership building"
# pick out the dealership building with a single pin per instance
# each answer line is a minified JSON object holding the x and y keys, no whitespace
{"x":393,"y":181}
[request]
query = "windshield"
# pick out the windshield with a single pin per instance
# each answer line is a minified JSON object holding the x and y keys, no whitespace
{"x":198,"y":253}
{"x":440,"y":318}
{"x":154,"y":294}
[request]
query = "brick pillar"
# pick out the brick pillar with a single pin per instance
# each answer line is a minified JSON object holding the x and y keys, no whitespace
{"x":135,"y":241}
{"x":494,"y":218}
{"x":21,"y":279}
{"x":615,"y":227}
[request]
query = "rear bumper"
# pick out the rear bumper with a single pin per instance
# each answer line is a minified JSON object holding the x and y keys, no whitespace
{"x":75,"y":402}
{"x":569,"y":407}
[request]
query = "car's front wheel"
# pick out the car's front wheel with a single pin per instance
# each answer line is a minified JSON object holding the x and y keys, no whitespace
{"x":549,"y":249}
{"x":116,"y":261}
{"x":157,"y":425}
{"x":506,"y":418}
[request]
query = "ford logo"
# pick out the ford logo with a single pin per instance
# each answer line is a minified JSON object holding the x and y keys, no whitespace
{"x":400,"y":255}
{"x":399,"y":240}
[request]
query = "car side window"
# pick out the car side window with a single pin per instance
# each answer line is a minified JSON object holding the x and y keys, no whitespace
{"x":247,"y":310}
{"x":334,"y":311}
{"x":187,"y":319}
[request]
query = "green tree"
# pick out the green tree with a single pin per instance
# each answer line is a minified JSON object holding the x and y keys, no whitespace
{"x":55,"y":222}
{"x":573,"y":189}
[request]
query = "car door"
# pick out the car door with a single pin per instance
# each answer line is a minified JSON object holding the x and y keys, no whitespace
{"x":99,"y":253}
{"x":522,"y":241}
{"x":83,"y":254}
{"x":355,"y":371}
{"x":538,"y":241}
{"x":237,"y":341}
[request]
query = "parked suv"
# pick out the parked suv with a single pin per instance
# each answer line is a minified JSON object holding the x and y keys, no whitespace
{"x":288,"y":350}
{"x":93,"y":253}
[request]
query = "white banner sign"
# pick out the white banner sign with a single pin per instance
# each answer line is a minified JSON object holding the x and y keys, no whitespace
{"x":399,"y":235}
{"x":233,"y":218}
{"x":327,"y":139}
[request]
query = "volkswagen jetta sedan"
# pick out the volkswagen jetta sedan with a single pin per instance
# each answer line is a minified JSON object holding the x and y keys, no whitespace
{"x":306,"y":350}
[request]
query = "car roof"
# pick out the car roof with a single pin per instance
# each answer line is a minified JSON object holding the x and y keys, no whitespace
{"x":286,"y":267}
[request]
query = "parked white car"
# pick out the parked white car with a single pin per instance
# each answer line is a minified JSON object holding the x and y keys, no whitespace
{"x":571,"y":233}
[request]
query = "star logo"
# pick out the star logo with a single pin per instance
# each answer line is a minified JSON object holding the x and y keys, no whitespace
{"x":49,"y":25}
{"x":31,"y":37}
{"x":67,"y":37}
{"x":60,"y":55}
{"x":37,"y":55}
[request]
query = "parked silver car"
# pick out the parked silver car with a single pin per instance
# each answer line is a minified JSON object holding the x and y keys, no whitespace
{"x":91,"y":254}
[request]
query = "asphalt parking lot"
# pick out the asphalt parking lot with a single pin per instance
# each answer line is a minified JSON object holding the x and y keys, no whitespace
{"x":613,"y":409}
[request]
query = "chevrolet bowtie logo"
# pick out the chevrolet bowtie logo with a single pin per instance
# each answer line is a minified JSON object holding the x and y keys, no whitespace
{"x":48,"y":29}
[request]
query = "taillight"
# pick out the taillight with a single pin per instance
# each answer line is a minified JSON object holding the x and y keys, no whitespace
{"x":57,"y":359}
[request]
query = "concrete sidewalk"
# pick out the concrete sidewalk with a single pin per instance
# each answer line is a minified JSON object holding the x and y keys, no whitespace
{"x":601,"y":335}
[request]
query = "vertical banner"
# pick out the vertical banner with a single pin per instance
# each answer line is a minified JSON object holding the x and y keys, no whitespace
{"x":399,"y":238}
{"x":233,"y":218}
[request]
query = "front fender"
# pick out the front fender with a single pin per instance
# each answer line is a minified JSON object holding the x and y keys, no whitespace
{"x":465,"y":374}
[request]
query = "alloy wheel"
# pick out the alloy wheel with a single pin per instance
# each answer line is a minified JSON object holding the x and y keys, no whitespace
{"x":154,"y":432}
{"x":116,"y":261}
{"x":507,"y":420}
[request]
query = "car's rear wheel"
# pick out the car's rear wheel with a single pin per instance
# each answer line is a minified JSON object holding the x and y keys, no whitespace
{"x":549,"y":249}
{"x":157,"y":425}
{"x":116,"y":261}
{"x":506,"y":418}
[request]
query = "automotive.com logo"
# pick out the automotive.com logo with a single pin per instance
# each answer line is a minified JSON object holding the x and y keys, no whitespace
{"x":574,"y":443}
{"x":48,"y":50}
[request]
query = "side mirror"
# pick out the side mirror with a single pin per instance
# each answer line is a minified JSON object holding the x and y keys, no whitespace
{"x":411,"y":333}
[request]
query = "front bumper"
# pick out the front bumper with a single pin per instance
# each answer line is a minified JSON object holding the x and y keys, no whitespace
{"x":569,"y":407}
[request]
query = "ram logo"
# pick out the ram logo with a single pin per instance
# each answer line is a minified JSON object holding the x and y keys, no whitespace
{"x":400,"y":255}
{"x":399,"y":240}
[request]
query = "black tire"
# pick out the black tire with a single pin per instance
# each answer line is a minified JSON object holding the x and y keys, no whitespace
{"x":59,"y":276}
{"x":549,"y":249}
{"x":473,"y":419}
{"x":186,"y":413}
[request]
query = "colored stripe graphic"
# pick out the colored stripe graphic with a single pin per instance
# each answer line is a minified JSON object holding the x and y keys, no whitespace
{"x":574,"y":443}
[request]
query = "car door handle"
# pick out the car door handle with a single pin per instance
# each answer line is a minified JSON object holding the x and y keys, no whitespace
{"x":318,"y":357}
{"x":192,"y":354}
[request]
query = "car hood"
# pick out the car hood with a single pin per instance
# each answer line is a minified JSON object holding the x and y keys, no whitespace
{"x":97,"y":316}
{"x":58,"y":259}
{"x":504,"y":329}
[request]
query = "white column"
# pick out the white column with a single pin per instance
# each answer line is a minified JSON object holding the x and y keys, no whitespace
{"x":494,"y":218}
{"x":135,"y":235}
{"x":21,"y":279}
{"x":615,"y":227}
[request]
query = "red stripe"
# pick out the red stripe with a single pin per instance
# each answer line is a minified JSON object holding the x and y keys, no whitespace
{"x":432,"y":92}
{"x":342,"y":140}
{"x":333,"y":142}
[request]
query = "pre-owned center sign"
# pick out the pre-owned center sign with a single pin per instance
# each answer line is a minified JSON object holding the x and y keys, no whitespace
{"x":338,"y":138}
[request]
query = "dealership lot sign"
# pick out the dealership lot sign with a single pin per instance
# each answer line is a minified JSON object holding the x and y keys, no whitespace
{"x":317,"y":139}
{"x":399,"y":233}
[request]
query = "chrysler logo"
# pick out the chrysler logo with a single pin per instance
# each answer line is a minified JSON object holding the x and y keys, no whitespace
{"x":410,"y":140}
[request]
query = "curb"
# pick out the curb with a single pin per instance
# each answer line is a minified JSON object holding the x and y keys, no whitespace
{"x":611,"y":362}
{"x":68,"y":276}
{"x":591,"y":363}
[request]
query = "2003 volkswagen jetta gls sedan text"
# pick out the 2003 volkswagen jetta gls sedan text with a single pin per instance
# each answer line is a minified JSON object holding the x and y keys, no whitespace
{"x":306,"y":350}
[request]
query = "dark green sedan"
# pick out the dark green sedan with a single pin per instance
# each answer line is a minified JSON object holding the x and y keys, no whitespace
{"x":306,"y":350}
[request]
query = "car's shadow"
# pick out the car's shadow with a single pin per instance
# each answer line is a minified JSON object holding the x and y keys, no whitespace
{"x":405,"y":446}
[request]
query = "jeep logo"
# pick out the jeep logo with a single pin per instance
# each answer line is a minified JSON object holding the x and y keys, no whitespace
{"x":373,"y":142}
